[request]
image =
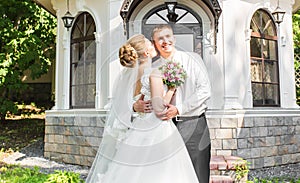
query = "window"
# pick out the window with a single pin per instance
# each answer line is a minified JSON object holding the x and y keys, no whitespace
{"x":187,"y":27}
{"x":83,"y":62}
{"x":264,"y":60}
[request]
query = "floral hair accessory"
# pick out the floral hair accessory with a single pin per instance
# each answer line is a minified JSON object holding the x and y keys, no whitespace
{"x":173,"y":74}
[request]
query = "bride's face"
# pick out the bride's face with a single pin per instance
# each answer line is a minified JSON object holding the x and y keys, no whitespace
{"x":151,"y":51}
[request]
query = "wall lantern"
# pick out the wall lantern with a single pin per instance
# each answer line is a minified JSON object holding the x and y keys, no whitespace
{"x":278,"y":14}
{"x":172,"y":16}
{"x":68,"y":18}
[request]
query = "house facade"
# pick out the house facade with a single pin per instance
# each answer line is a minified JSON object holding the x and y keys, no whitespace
{"x":252,"y":112}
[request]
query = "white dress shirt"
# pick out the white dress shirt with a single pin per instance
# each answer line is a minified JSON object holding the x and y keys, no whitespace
{"x":191,"y":97}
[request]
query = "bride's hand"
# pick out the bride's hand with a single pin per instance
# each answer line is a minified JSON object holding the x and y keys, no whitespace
{"x":173,"y":89}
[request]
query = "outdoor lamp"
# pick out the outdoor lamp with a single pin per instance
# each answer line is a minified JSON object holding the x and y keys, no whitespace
{"x":278,"y":14}
{"x":172,"y":16}
{"x":68,"y":18}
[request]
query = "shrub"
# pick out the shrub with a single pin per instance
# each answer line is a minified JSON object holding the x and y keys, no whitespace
{"x":241,"y":170}
{"x":64,"y":177}
{"x":17,"y":174}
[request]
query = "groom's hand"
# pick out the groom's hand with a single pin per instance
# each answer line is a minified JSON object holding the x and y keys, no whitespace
{"x":170,"y":113}
{"x":142,"y":106}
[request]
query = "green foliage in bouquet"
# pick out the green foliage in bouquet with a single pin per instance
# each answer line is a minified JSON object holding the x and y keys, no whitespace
{"x":173,"y":74}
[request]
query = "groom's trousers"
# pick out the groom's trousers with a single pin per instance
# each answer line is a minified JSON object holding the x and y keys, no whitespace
{"x":195,"y":133}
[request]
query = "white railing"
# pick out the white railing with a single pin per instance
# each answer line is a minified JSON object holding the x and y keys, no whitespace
{"x":297,"y":72}
{"x":297,"y":77}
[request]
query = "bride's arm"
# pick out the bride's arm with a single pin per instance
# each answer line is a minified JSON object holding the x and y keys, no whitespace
{"x":168,"y":96}
{"x":158,"y":98}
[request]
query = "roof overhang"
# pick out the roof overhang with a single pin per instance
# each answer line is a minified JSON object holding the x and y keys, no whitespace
{"x":46,"y":4}
{"x":128,"y":7}
{"x":296,"y":6}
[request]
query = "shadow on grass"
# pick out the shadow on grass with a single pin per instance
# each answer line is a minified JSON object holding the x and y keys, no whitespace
{"x":16,"y":134}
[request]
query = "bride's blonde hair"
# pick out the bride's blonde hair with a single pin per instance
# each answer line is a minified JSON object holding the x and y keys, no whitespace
{"x":133,"y":49}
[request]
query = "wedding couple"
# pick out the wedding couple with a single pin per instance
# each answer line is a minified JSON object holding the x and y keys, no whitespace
{"x":149,"y":148}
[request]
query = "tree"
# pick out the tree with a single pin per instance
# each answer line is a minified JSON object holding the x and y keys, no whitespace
{"x":27,"y":43}
{"x":296,"y":32}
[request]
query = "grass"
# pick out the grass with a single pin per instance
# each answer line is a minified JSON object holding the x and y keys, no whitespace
{"x":16,"y":174}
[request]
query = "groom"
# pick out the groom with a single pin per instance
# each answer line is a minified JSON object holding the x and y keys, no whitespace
{"x":189,"y":111}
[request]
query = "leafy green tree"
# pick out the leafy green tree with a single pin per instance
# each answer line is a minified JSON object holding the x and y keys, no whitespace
{"x":27,"y":43}
{"x":296,"y":31}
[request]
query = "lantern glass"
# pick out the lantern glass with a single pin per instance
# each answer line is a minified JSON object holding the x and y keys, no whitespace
{"x":278,"y":15}
{"x":171,"y":7}
{"x":68,"y":20}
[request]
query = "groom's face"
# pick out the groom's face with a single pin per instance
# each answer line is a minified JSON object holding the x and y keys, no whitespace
{"x":164,"y":42}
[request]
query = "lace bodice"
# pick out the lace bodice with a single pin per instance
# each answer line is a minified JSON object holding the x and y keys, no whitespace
{"x":145,"y":90}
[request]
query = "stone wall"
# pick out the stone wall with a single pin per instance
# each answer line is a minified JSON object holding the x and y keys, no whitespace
{"x":263,"y":140}
{"x":73,"y":139}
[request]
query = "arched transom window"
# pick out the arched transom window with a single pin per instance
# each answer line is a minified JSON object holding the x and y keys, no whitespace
{"x":83,"y":62}
{"x":264,"y":60}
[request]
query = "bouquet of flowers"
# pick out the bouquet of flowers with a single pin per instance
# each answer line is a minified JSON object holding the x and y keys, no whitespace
{"x":173,"y":74}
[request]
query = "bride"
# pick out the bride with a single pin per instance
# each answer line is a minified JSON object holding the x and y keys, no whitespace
{"x":145,"y":149}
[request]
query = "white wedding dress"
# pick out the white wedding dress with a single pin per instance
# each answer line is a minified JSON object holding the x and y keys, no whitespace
{"x":152,"y":151}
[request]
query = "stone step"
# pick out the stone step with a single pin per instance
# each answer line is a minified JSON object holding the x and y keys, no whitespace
{"x":222,"y":168}
{"x":219,"y":162}
{"x":221,"y":179}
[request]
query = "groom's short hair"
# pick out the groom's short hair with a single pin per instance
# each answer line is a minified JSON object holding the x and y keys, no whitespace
{"x":159,"y":28}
